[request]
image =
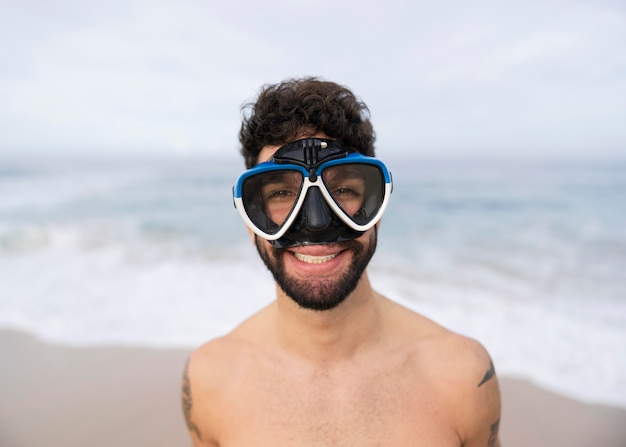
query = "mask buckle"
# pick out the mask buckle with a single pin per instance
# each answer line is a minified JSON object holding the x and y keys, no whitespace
{"x":310,"y":152}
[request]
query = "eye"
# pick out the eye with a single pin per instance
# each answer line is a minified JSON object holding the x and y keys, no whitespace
{"x":279,"y":193}
{"x":346,"y":192}
{"x":281,"y":187}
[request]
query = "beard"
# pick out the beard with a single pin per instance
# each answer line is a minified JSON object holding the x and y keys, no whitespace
{"x":320,"y":294}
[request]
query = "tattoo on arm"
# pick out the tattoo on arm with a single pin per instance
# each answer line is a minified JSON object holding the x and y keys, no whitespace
{"x":188,"y":403}
{"x":489,"y":374}
{"x":493,"y":434}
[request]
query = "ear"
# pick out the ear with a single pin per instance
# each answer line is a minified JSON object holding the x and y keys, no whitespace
{"x":252,"y":235}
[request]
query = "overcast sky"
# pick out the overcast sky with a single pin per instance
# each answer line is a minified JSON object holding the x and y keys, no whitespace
{"x":443,"y":78}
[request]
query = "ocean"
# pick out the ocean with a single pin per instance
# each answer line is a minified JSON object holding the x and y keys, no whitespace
{"x":527,"y":257}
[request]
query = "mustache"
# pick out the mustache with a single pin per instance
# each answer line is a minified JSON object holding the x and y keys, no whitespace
{"x":349,"y":244}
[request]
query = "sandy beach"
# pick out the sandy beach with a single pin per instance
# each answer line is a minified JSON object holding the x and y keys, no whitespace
{"x":103,"y":397}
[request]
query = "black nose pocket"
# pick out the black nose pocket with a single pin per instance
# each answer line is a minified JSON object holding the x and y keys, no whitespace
{"x":316,"y":215}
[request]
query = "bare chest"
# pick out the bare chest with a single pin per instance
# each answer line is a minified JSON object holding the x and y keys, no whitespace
{"x":362,"y":408}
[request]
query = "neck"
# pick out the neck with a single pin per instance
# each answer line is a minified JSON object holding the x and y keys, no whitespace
{"x":331,"y":335}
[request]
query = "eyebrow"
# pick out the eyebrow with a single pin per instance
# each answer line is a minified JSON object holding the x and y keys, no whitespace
{"x":349,"y":172}
{"x":278,"y":177}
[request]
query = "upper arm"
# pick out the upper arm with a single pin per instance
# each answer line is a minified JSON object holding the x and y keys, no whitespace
{"x":479,"y":405}
{"x":483,"y":425}
{"x":187,"y":404}
{"x":197,"y":395}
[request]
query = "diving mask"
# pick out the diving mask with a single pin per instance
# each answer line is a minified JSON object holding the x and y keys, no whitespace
{"x":313,"y":191}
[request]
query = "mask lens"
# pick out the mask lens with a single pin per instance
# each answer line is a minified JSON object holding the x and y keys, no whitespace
{"x":269,"y":198}
{"x":358,"y":189}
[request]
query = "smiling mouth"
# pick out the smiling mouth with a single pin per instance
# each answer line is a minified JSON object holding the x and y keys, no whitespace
{"x":309,"y":259}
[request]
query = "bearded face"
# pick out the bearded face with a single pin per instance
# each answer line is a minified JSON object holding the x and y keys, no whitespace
{"x":323,"y":292}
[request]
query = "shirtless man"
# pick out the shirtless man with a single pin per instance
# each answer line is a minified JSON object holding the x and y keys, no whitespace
{"x":331,"y":362}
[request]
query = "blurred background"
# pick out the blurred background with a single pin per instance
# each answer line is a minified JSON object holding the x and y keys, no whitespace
{"x":502,"y":123}
{"x":448,"y":78}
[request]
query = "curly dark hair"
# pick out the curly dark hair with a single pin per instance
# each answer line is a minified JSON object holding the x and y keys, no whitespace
{"x":285,"y":110}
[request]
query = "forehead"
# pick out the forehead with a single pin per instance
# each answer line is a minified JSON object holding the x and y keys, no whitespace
{"x":267,"y":152}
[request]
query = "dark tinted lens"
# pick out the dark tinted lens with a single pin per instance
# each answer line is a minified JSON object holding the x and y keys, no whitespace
{"x":358,"y":188}
{"x":269,"y":198}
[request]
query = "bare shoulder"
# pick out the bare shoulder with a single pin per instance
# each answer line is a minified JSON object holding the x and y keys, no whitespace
{"x":211,"y":370}
{"x":205,"y":372}
{"x":460,"y":370}
{"x":471,"y":387}
{"x":463,"y":361}
{"x":217,"y":360}
{"x":458,"y":358}
{"x":208,"y":365}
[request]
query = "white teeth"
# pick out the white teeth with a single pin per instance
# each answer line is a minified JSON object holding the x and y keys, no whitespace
{"x":314,"y":259}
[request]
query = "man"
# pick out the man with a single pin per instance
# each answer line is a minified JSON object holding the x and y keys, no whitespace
{"x":330,"y":362}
